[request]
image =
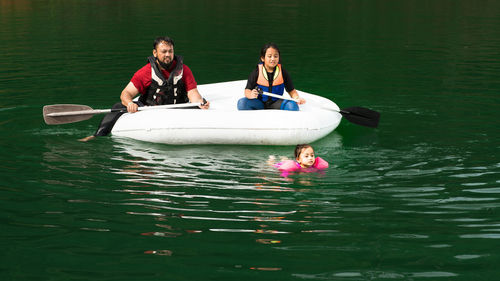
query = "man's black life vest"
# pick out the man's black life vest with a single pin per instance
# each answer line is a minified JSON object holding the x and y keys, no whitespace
{"x":165,"y":91}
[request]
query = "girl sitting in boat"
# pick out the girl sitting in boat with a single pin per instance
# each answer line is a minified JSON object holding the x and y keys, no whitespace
{"x":305,"y":161}
{"x":269,"y":76}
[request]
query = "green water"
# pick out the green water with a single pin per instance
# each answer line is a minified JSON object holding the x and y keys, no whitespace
{"x":416,"y":199}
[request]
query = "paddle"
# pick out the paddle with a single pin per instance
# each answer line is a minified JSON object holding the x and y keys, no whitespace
{"x":357,"y":115}
{"x":70,"y":113}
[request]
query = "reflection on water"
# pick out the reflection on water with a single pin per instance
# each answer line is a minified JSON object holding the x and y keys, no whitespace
{"x":192,"y":180}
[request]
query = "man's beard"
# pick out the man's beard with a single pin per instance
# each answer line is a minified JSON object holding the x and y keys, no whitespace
{"x":164,"y":65}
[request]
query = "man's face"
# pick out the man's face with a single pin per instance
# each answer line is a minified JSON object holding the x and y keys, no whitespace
{"x":164,"y":52}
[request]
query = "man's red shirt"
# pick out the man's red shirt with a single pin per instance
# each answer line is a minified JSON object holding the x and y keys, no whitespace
{"x":142,"y":78}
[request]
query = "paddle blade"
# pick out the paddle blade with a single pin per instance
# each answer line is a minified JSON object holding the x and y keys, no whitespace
{"x":67,"y":109}
{"x":361,"y":116}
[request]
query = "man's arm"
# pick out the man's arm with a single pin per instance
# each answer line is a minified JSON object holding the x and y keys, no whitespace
{"x":194,"y":96}
{"x":128,"y":94}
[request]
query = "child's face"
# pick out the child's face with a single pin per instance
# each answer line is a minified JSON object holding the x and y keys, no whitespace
{"x":271,"y":58}
{"x":306,"y":157}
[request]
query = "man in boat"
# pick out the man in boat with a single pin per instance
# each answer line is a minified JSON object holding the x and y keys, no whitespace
{"x":163,"y":80}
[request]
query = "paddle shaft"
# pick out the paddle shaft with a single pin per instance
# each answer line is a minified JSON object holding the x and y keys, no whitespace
{"x":292,"y":99}
{"x":357,"y":115}
{"x":98,"y":111}
{"x":277,"y":96}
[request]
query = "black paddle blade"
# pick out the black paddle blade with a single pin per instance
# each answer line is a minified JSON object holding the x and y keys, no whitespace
{"x":361,"y":116}
{"x":60,"y":108}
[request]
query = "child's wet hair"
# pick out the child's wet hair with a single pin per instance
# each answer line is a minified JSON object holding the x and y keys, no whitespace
{"x":299,"y":148}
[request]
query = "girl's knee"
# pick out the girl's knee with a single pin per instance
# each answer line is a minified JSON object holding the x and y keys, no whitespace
{"x":243,"y":104}
{"x":290,"y":105}
{"x":248,"y":104}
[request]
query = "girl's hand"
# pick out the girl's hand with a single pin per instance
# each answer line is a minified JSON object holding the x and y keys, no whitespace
{"x":254,"y":94}
{"x":300,"y":100}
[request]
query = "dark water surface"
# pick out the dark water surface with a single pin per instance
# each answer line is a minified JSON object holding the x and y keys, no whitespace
{"x":416,"y":199}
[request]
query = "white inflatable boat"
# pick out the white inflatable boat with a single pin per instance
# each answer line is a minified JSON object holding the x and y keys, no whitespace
{"x":224,"y":124}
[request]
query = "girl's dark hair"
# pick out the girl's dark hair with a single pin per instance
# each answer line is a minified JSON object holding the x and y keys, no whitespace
{"x":161,"y":39}
{"x":299,"y":148}
{"x":267,"y":46}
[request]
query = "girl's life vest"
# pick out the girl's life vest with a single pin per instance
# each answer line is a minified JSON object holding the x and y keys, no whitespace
{"x":277,"y":86}
{"x":294,"y":166}
{"x":165,"y":91}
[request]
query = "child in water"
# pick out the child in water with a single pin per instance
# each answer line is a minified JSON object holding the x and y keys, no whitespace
{"x":269,"y":76}
{"x":305,"y":160}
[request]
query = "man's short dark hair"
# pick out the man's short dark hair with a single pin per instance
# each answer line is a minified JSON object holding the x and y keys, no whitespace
{"x":162,"y":39}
